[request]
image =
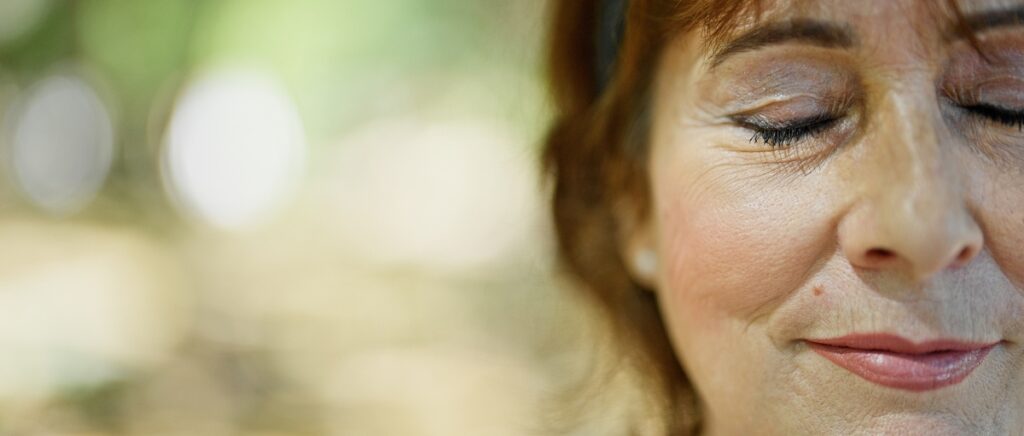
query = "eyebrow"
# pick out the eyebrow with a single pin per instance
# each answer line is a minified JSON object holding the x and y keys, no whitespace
{"x":833,"y":35}
{"x":985,"y":20}
{"x":815,"y":32}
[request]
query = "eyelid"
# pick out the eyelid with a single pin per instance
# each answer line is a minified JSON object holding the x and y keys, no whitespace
{"x":778,"y":100}
{"x":1008,"y":117}
{"x":974,"y":88}
{"x":760,"y":122}
{"x":1002,"y":95}
{"x":775,"y":75}
{"x":790,"y":111}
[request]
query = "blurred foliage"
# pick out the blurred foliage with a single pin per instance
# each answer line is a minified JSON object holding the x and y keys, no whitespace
{"x":280,"y":329}
{"x":347,"y":62}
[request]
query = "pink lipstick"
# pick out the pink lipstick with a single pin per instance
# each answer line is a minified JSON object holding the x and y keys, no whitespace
{"x":896,"y":362}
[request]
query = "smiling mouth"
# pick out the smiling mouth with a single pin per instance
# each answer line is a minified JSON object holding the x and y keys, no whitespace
{"x":896,"y":362}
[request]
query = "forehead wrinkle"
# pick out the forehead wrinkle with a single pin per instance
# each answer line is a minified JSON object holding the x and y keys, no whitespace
{"x":923,"y":21}
{"x":717,"y":28}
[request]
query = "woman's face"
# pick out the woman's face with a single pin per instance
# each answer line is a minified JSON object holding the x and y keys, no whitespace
{"x":838,"y":215}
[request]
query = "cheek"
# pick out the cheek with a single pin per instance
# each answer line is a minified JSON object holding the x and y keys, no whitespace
{"x":735,"y":250}
{"x":1002,"y":219}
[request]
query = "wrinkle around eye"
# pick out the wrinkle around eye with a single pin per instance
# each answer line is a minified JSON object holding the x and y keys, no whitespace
{"x":794,"y":161}
{"x":998,"y":144}
{"x":777,"y":164}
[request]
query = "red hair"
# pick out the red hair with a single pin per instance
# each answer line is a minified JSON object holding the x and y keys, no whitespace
{"x":595,"y":155}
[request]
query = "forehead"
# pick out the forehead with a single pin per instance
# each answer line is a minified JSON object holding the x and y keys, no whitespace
{"x":743,"y":15}
{"x":900,"y":27}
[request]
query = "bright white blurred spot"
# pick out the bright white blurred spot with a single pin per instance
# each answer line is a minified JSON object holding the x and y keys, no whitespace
{"x":20,"y":16}
{"x":439,"y":195}
{"x":63,"y":144}
{"x":235,"y":148}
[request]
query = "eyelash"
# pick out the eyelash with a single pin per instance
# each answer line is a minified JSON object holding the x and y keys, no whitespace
{"x":792,"y":132}
{"x":1009,"y":118}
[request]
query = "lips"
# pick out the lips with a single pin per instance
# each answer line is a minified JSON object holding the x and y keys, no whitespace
{"x":896,"y":362}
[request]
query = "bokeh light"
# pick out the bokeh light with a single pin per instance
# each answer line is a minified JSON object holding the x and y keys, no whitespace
{"x":235,"y":148}
{"x":276,"y":217}
{"x":62,"y":145}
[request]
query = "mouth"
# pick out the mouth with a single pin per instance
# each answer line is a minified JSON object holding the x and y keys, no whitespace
{"x":896,"y":362}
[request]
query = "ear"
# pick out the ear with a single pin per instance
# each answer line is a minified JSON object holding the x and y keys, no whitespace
{"x":638,"y":247}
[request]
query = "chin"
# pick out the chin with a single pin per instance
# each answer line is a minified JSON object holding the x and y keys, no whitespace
{"x":931,"y":424}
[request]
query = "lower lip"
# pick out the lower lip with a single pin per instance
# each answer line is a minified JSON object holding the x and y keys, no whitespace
{"x":910,"y":372}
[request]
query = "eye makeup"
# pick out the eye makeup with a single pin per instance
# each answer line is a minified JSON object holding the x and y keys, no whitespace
{"x":983,"y":92}
{"x":1000,"y":101}
{"x":784,"y":96}
{"x":1007,"y":117}
{"x":756,"y":79}
{"x":790,"y":132}
{"x":787,"y":122}
{"x":798,"y":134}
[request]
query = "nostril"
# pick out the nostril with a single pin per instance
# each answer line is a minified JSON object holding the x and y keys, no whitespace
{"x":879,"y":254}
{"x":963,"y":256}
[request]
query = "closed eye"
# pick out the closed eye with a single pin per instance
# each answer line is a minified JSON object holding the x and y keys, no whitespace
{"x":788,"y":133}
{"x":1008,"y":117}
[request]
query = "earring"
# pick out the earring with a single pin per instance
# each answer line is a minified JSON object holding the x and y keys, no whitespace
{"x":645,"y":263}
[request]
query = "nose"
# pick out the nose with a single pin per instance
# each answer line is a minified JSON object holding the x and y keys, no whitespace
{"x":911,"y":213}
{"x":922,"y":240}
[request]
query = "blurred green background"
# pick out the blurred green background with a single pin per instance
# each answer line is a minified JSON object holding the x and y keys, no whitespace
{"x":271,"y":217}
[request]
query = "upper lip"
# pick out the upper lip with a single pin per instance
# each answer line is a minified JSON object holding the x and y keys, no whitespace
{"x":898,"y":344}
